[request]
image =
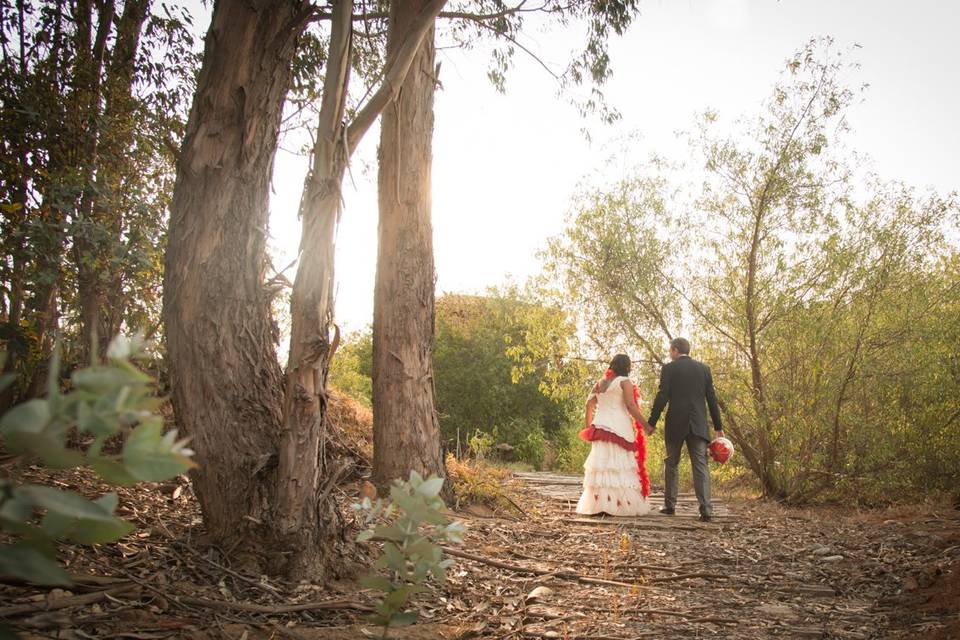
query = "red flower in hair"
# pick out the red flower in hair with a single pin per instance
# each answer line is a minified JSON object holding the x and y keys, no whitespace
{"x":609,"y":374}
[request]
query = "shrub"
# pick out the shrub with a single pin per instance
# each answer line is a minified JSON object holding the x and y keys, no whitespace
{"x":482,"y":443}
{"x":104,"y":400}
{"x":411,"y":551}
{"x":532,"y":447}
{"x":478,"y":483}
{"x":573,"y":450}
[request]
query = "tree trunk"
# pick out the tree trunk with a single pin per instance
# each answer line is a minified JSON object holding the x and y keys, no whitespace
{"x":47,"y":321}
{"x":14,"y":311}
{"x":114,"y":167}
{"x":221,"y":339}
{"x":100,"y":163}
{"x":48,"y":238}
{"x":85,"y":238}
{"x":406,"y":431}
{"x":66,"y":157}
{"x":308,"y":468}
{"x":305,"y":515}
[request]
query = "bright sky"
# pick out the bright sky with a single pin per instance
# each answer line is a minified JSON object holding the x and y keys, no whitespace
{"x":505,"y":166}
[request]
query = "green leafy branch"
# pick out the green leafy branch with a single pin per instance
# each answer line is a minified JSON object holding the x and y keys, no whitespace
{"x":104,"y":400}
{"x":412,"y":526}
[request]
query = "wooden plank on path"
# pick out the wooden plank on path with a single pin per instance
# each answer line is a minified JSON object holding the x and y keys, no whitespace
{"x":638,"y":523}
{"x":650,"y":521}
{"x":567,"y":488}
{"x":653,"y":497}
{"x":554,"y":481}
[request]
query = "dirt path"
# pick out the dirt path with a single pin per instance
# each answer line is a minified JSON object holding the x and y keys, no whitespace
{"x":758,"y":571}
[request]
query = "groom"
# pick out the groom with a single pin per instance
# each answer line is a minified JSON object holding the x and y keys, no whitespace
{"x":686,"y":385}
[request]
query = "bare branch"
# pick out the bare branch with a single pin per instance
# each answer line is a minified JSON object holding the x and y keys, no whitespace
{"x":530,"y":53}
{"x":453,"y":15}
{"x":394,"y":76}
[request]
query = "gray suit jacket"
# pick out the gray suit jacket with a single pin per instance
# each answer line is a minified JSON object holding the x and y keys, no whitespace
{"x":687,"y":386}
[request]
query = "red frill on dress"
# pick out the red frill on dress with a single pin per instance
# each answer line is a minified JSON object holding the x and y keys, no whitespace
{"x":594,"y":433}
{"x":641,"y":454}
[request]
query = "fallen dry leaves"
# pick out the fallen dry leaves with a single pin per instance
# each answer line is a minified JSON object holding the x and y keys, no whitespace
{"x":758,"y":571}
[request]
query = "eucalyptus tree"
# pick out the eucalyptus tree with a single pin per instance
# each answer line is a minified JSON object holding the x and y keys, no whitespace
{"x":226,"y":382}
{"x":229,"y":391}
{"x":302,"y":473}
{"x":406,"y":431}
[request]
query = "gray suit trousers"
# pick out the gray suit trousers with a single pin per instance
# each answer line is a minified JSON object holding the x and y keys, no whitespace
{"x":697,"y":448}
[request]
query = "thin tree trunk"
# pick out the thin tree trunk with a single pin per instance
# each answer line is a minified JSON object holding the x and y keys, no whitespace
{"x":65,"y":146}
{"x":221,"y":339}
{"x":99,"y":272}
{"x":406,"y":431}
{"x":48,"y":243}
{"x":8,"y":396}
{"x":304,"y":513}
{"x":48,"y":325}
{"x":87,"y":245}
{"x":772,"y":484}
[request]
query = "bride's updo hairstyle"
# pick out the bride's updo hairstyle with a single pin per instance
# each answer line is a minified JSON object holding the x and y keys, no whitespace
{"x":621,"y":364}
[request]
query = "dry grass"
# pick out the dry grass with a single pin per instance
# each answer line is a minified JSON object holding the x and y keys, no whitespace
{"x":477,"y":483}
{"x":354,"y":421}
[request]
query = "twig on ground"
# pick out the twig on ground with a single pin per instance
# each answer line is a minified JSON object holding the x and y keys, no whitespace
{"x":63,"y":603}
{"x":566,"y":575}
{"x":239,"y":576}
{"x":283,"y":608}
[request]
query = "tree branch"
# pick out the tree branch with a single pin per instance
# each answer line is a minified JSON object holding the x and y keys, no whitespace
{"x":523,"y":48}
{"x":394,"y":75}
{"x":453,"y":15}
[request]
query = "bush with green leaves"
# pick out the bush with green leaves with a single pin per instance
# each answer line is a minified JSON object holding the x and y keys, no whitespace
{"x":412,"y":526}
{"x":352,"y":368}
{"x":481,"y":443}
{"x":532,"y":446}
{"x":102,"y":401}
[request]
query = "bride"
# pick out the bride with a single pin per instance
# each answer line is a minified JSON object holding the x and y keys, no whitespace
{"x":615,"y":478}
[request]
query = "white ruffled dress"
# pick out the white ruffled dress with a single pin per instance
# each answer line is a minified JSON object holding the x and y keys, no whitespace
{"x":611,"y":483}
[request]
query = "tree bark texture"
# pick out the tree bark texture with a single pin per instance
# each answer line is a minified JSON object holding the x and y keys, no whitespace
{"x":226,"y":382}
{"x":406,"y":431}
{"x":309,"y":461}
{"x":306,"y":516}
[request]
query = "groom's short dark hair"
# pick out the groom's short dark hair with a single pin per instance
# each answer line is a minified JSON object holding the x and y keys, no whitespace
{"x":682,"y":345}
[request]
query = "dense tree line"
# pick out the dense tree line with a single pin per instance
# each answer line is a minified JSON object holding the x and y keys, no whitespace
{"x":94,"y":99}
{"x":825,"y":299}
{"x":491,"y":381}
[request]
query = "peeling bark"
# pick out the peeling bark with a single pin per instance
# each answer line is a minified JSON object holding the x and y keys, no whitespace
{"x":406,"y":430}
{"x":226,"y":381}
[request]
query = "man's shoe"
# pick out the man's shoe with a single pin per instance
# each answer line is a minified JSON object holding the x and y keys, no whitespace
{"x":667,"y":511}
{"x":705,"y":518}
